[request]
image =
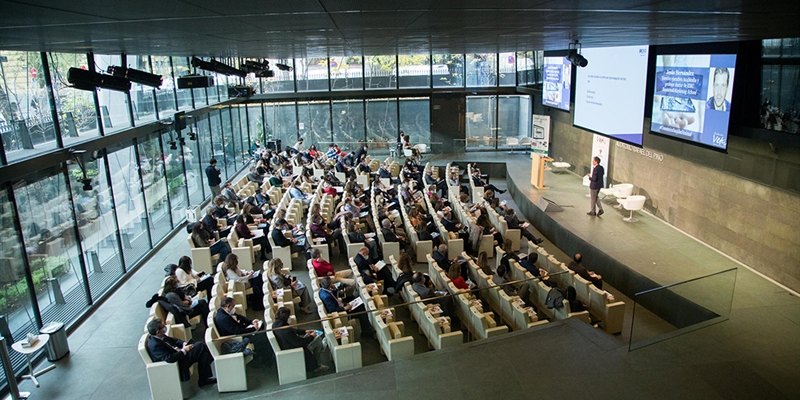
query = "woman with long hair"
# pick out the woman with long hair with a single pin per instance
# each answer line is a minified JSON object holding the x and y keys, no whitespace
{"x":250,"y":279}
{"x":191,"y":281}
{"x":186,"y":305}
{"x":281,"y":281}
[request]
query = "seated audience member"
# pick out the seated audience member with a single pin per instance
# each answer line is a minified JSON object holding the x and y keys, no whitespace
{"x":191,"y":281}
{"x":441,"y":184}
{"x":514,"y":223}
{"x":231,"y":196}
{"x":454,"y":273}
{"x":287,"y":282}
{"x":483,"y":264}
{"x":189,"y":307}
{"x":356,"y":236}
{"x":171,"y":350}
{"x":500,"y":278}
{"x":320,"y":230}
{"x":229,"y":323}
{"x":250,"y":279}
{"x":261,"y":198}
{"x":498,"y":207}
{"x":423,"y":234}
{"x":332,"y":303}
{"x":529,"y":263}
{"x":390,"y":236}
{"x":478,"y":182}
{"x":424,"y":288}
{"x":404,"y":264}
{"x":323,"y":268}
{"x":308,"y":340}
{"x":202,"y":238}
{"x":508,"y":255}
{"x":578,"y":268}
{"x":222,"y":212}
{"x":440,"y":256}
{"x":575,"y":305}
{"x":254,"y":176}
{"x":372,"y":274}
{"x":281,"y":240}
{"x":211,"y":226}
{"x":298,"y":194}
{"x":244,"y":232}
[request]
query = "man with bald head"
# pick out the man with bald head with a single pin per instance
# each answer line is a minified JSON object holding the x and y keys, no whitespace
{"x":371,"y":273}
{"x":576,"y":266}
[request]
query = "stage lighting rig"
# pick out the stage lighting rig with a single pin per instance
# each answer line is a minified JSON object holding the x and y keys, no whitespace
{"x":574,"y":56}
{"x":134,"y":75}
{"x":86,"y":181}
{"x":283,"y":67}
{"x":216,"y":66}
{"x":89,"y":80}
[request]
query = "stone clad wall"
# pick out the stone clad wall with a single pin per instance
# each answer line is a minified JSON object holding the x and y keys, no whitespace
{"x":753,"y":222}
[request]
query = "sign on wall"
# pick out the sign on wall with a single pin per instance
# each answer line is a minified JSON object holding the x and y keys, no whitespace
{"x":600,"y":148}
{"x":540,"y":134}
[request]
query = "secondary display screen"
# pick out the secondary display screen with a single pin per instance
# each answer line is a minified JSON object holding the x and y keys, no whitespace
{"x":610,"y":92}
{"x":557,"y":82}
{"x":692,"y":97}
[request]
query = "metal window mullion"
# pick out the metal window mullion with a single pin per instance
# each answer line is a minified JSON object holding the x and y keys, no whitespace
{"x":26,"y":261}
{"x":124,"y":62}
{"x":166,"y":180}
{"x":77,"y":232}
{"x":141,"y":186}
{"x":98,"y":115}
{"x":120,"y":252}
{"x":52,"y":97}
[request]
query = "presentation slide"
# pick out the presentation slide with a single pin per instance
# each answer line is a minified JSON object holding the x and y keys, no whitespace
{"x":557,"y":82}
{"x":609,"y":97}
{"x":692,"y":97}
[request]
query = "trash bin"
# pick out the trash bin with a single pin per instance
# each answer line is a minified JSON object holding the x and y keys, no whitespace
{"x":57,"y":346}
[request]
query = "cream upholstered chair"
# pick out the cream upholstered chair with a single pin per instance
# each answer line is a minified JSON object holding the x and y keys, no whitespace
{"x":228,"y":368}
{"x":621,"y":192}
{"x":163,"y":377}
{"x":202,"y":260}
{"x":633,"y":203}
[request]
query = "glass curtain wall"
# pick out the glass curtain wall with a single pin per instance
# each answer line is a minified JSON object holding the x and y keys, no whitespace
{"x":414,"y":70}
{"x":151,"y":168}
{"x":46,"y":217}
{"x":481,"y":124}
{"x":176,"y":178}
{"x":142,"y":97}
{"x":26,"y":121}
{"x":129,"y":202}
{"x":76,"y":110}
{"x":280,"y":122}
{"x":448,"y":70}
{"x":415,"y":119}
{"x":507,"y":66}
{"x":239,"y":115}
{"x":481,"y":70}
{"x":255,"y":122}
{"x":180,"y":66}
{"x":348,"y":122}
{"x":347,"y":73}
{"x":217,"y":148}
{"x":312,"y":74}
{"x":228,"y":144}
{"x":381,"y":122}
{"x":314,"y":122}
{"x":514,"y":114}
{"x":283,"y":81}
{"x":205,"y":149}
{"x":165,"y":95}
{"x":380,"y":72}
{"x":114,"y":108}
{"x":96,"y":224}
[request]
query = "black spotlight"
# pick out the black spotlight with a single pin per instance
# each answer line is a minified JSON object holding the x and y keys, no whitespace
{"x":283,"y":67}
{"x":182,"y":140}
{"x":90,"y":80}
{"x":577,"y":59}
{"x":192,"y":135}
{"x":134,"y":75}
{"x":87,"y":184}
{"x":173,"y":145}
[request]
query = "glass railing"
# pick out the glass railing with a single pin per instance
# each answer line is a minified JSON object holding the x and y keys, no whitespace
{"x":672,"y":310}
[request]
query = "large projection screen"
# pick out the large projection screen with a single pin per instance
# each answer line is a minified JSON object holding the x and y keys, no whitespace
{"x":692,"y":97}
{"x":610,"y":92}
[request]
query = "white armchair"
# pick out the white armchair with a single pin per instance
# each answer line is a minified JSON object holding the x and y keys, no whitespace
{"x":229,"y":368}
{"x":163,"y":377}
{"x":202,"y":260}
{"x":633,"y":203}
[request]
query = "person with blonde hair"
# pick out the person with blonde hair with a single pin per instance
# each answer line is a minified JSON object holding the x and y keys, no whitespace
{"x":288,"y":282}
{"x":250,"y":279}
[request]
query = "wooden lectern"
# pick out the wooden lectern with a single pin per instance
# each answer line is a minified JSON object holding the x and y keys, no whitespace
{"x":537,"y":171}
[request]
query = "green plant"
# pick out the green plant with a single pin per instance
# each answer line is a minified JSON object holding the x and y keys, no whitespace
{"x":14,"y":295}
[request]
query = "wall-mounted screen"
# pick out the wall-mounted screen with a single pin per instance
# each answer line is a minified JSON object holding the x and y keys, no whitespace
{"x":557,"y":82}
{"x":692,"y":97}
{"x":610,"y":92}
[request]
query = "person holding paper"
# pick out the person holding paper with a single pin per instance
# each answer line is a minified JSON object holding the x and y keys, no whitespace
{"x":171,"y":350}
{"x":250,"y":279}
{"x":229,"y":323}
{"x":323,"y":268}
{"x":576,"y":266}
{"x":332,"y":303}
{"x":186,"y":305}
{"x":426,"y":291}
{"x":287,"y":282}
{"x":356,"y":236}
{"x":390,"y":236}
{"x":514,"y":223}
{"x":372,"y":273}
{"x":308,"y":340}
{"x":244,"y":232}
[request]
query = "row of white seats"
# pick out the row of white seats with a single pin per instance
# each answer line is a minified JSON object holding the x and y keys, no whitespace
{"x":422,"y":247}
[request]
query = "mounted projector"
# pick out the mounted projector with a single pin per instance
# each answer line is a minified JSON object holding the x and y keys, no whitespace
{"x":88,"y":80}
{"x":216,"y":66}
{"x":195,"y":82}
{"x":134,"y":75}
{"x":574,"y":56}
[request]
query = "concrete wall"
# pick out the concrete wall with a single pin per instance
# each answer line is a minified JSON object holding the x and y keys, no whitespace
{"x":744,"y":203}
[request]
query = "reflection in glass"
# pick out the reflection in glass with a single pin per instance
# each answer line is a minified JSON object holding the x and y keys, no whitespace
{"x":194,"y":169}
{"x":312,"y":74}
{"x":508,"y":71}
{"x":96,"y":224}
{"x":513,"y":118}
{"x":176,"y":180}
{"x":142,"y":97}
{"x":283,"y":81}
{"x":414,"y":70}
{"x":204,"y":142}
{"x":15,"y":300}
{"x":381,"y":122}
{"x":228,"y":144}
{"x":151,"y":166}
{"x":48,"y":228}
{"x":481,"y":70}
{"x":415,"y":119}
{"x":129,"y":204}
{"x":239,"y":115}
{"x":314,"y":122}
{"x":165,"y":95}
{"x":348,"y":122}
{"x":448,"y":70}
{"x":26,"y":123}
{"x":181,"y":67}
{"x":281,"y":122}
{"x":255,"y":121}
{"x":380,"y":72}
{"x":114,"y":109}
{"x":525,"y":68}
{"x":481,"y":122}
{"x":76,"y":111}
{"x":346,"y":73}
{"x":217,"y":149}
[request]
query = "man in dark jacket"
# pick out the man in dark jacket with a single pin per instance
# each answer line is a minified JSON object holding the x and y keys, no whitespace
{"x":371,"y":274}
{"x":229,"y":323}
{"x":332,"y":303}
{"x":595,"y":184}
{"x":213,"y":177}
{"x":514,"y":223}
{"x":164,"y":348}
{"x":290,"y":338}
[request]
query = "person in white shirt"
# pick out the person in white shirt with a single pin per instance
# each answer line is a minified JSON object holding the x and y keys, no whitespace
{"x":299,"y":146}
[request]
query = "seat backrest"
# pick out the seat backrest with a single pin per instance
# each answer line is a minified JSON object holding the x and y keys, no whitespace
{"x":623,"y":190}
{"x":191,"y":242}
{"x":143,"y":349}
{"x":634,"y":203}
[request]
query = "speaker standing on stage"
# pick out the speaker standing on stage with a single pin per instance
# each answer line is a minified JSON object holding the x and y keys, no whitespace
{"x":595,"y":184}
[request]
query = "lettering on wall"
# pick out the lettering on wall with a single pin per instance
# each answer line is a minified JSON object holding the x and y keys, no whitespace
{"x":642,"y":152}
